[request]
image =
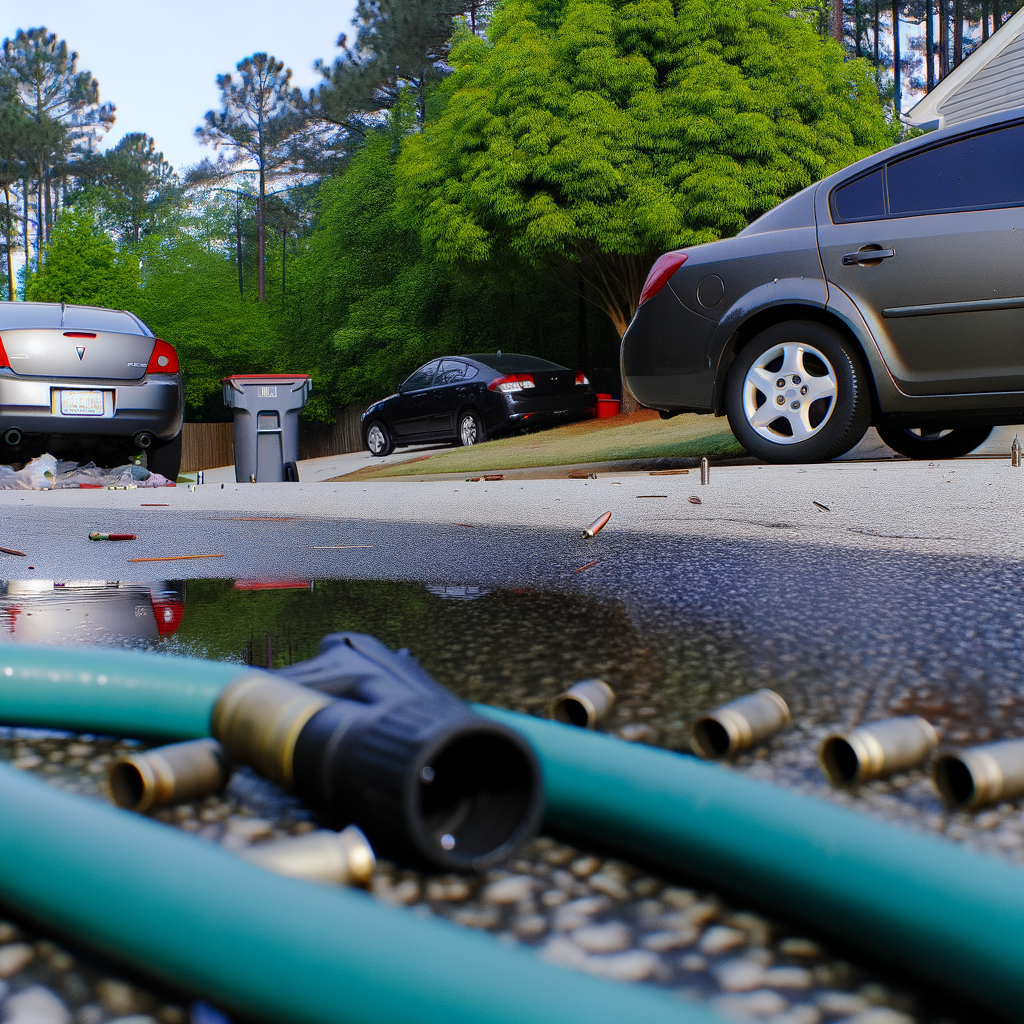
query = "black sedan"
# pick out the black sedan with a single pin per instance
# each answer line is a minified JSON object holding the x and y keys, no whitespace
{"x":889,"y":294}
{"x":466,"y":399}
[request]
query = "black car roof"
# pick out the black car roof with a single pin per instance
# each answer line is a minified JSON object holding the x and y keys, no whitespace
{"x":512,"y":362}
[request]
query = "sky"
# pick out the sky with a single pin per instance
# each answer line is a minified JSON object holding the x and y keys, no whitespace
{"x":158,"y":60}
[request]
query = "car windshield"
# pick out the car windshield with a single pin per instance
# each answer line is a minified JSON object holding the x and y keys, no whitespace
{"x":42,"y":315}
{"x":511,"y":362}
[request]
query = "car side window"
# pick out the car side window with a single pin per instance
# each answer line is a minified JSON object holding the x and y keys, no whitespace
{"x":452,"y":371}
{"x":422,"y":378}
{"x":974,"y":173}
{"x":861,"y":199}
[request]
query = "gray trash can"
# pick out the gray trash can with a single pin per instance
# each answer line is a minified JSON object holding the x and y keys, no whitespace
{"x":266,"y":435}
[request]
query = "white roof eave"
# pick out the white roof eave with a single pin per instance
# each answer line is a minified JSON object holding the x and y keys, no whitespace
{"x":925,"y":113}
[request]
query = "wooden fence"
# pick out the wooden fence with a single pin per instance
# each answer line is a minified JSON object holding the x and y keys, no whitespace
{"x":209,"y":445}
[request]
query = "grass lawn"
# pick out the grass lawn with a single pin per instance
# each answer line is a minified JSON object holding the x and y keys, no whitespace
{"x":642,"y":435}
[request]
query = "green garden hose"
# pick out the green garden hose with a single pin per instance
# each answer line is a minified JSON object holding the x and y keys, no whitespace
{"x":941,"y":910}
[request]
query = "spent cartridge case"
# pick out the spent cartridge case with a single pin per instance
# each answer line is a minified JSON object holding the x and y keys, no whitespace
{"x":739,"y":725}
{"x":584,"y":704}
{"x":876,"y":750}
{"x":333,"y":858}
{"x":980,"y":775}
{"x":167,"y":775}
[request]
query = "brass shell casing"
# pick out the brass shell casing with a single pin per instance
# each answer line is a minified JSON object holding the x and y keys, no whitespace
{"x":167,"y":775}
{"x":336,"y":858}
{"x":259,"y":718}
{"x":584,"y":704}
{"x":876,"y":750}
{"x":981,"y":775}
{"x":739,"y":725}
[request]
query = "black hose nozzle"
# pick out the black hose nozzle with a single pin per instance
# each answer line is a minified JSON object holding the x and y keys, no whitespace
{"x":383,"y":745}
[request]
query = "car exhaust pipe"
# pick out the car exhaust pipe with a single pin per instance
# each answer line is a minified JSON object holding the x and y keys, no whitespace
{"x":386,"y":747}
{"x":981,"y":775}
{"x":13,"y":437}
{"x":143,"y":440}
{"x":739,"y":725}
{"x":585,"y":704}
{"x":334,"y":858}
{"x":876,"y":750}
{"x":168,"y":775}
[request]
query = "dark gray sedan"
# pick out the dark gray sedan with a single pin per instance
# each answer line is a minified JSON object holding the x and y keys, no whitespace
{"x":89,"y":381}
{"x":891,"y":293}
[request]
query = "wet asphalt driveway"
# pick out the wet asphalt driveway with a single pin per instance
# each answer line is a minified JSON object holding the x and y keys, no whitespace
{"x":856,"y":591}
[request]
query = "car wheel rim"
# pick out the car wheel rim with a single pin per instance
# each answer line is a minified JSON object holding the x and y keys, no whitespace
{"x":375,"y":439}
{"x":468,"y":431}
{"x":789,"y":394}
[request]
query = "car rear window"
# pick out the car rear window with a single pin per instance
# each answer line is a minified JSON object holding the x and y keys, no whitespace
{"x":510,"y":362}
{"x":41,"y":315}
{"x":862,"y":199}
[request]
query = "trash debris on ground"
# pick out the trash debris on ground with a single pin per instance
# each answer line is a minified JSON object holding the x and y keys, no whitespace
{"x":694,"y":501}
{"x":668,"y":472}
{"x":112,"y":536}
{"x":597,"y":525}
{"x":47,"y":473}
{"x":576,"y":474}
{"x":468,"y":526}
{"x":652,"y":495}
{"x":172,"y":558}
{"x":495,"y":476}
{"x":818,"y":504}
{"x":13,"y":551}
{"x":739,"y":725}
{"x":588,"y":565}
{"x":705,"y":470}
{"x":584,"y":704}
{"x":1015,"y":452}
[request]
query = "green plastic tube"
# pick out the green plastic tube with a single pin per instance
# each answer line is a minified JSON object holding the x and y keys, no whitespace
{"x":119,"y":693}
{"x":945,"y":912}
{"x":275,"y":948}
{"x":940,"y":910}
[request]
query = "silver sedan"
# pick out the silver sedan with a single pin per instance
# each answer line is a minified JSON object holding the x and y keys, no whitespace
{"x":94,"y":382}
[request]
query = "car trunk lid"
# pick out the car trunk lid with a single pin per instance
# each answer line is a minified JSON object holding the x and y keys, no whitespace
{"x":77,"y":354}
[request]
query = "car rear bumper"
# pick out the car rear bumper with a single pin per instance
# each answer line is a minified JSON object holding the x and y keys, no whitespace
{"x":523,"y":405}
{"x":153,"y":404}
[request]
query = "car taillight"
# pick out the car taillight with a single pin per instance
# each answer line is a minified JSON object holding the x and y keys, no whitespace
{"x":4,"y":361}
{"x":581,"y":379}
{"x":167,"y":610}
{"x":664,"y":267}
{"x":512,"y":382}
{"x":164,"y":359}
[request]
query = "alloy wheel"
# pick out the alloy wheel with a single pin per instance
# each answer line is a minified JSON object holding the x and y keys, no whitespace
{"x":789,"y":393}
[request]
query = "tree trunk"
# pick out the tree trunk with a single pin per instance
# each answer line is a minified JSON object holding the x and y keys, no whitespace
{"x":24,"y":220}
{"x":582,"y":355}
{"x":238,"y":246}
{"x":11,"y":296}
{"x":984,"y":20}
{"x":943,"y":40}
{"x":874,"y":37}
{"x":997,"y":15}
{"x":958,"y":32}
{"x":261,"y":240}
{"x":856,"y":28}
{"x":837,"y":21}
{"x":929,"y":37}
{"x":897,"y":97}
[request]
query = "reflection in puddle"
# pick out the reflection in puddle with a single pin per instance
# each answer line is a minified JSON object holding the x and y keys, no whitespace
{"x":91,"y":612}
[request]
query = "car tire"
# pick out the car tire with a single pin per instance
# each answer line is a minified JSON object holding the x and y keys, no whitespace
{"x":922,"y":443}
{"x":826,"y":407}
{"x":470,"y":429}
{"x":378,"y":439}
{"x":164,"y":457}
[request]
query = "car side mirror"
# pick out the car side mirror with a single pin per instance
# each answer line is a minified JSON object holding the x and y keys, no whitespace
{"x":398,"y":387}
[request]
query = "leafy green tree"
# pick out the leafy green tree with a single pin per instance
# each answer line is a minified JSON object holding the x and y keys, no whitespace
{"x":258,"y":122}
{"x":592,"y":135}
{"x":132,"y":183}
{"x":62,"y":100}
{"x":81,"y":265}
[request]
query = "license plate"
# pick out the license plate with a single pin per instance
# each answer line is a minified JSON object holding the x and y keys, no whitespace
{"x":81,"y":403}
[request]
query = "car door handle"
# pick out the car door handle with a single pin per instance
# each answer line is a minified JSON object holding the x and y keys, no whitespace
{"x":851,"y":259}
